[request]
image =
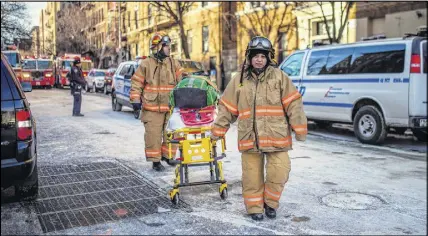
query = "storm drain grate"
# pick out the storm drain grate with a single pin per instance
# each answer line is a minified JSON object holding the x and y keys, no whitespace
{"x":82,"y":195}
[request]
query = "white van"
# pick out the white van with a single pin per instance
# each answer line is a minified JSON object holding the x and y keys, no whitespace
{"x":376,"y":85}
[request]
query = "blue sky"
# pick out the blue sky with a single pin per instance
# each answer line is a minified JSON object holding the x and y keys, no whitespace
{"x":33,"y":9}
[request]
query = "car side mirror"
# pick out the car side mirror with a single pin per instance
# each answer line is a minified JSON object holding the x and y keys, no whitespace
{"x":26,"y":87}
{"x":127,"y":77}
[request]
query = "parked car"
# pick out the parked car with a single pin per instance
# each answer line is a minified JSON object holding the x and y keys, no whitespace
{"x":108,"y":80}
{"x":18,"y":136}
{"x":122,"y":86}
{"x":95,"y":80}
{"x":375,"y":84}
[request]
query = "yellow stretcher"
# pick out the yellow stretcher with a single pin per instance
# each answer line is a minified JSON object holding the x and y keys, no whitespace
{"x":200,"y":151}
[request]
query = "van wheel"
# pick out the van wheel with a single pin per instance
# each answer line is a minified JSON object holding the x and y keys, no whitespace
{"x":30,"y":188}
{"x":420,"y":134}
{"x":400,"y":130}
{"x":369,"y":125}
{"x":114,"y":104}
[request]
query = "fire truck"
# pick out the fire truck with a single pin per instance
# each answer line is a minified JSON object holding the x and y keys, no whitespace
{"x":39,"y":70}
{"x":14,"y":58}
{"x":63,"y":66}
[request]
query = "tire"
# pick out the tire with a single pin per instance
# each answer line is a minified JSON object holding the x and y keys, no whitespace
{"x":137,"y":114}
{"x":420,"y":134}
{"x":369,"y":125}
{"x":114,"y":104}
{"x":30,"y":188}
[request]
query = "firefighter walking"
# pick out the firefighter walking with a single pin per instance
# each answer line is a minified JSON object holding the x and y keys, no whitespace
{"x":268,"y":107}
{"x":155,"y":77}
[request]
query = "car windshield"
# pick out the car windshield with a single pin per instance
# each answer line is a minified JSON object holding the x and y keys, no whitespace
{"x":86,"y":65}
{"x":67,"y":65}
{"x":100,"y":73}
{"x":12,"y":58}
{"x":44,"y":64}
{"x":29,"y":64}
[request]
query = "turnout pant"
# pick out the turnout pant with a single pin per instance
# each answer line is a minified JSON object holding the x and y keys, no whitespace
{"x":257,"y":190}
{"x":155,"y":135}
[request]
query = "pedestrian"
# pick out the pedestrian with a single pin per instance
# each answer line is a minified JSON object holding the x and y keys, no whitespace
{"x":268,"y":107}
{"x":155,"y":77}
{"x":78,"y":82}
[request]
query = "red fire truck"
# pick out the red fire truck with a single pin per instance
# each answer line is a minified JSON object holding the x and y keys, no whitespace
{"x":64,"y":64}
{"x":39,"y":70}
{"x":14,"y":58}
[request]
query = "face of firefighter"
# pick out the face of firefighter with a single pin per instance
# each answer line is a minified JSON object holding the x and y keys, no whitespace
{"x":259,"y":61}
{"x":166,"y":50}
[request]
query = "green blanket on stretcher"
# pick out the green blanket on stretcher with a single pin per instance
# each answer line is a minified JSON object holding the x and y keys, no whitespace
{"x":200,"y":82}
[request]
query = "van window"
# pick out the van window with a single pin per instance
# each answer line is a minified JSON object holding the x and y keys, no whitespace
{"x":338,"y":61}
{"x":124,"y":70}
{"x":293,"y":64}
{"x":424,"y":56}
{"x":317,"y":62}
{"x":9,"y":89}
{"x":378,"y":59}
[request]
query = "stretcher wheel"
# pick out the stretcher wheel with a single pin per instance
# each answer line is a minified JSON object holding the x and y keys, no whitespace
{"x":223,"y":194}
{"x":176,"y":199}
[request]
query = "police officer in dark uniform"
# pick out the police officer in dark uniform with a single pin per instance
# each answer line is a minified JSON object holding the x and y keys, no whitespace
{"x":78,"y":82}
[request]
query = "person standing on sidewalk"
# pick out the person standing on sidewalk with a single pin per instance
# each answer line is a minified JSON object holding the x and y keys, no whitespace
{"x":268,"y":107}
{"x":155,"y":77}
{"x":78,"y":82}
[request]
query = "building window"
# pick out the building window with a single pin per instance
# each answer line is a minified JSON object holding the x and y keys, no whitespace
{"x":189,"y":40}
{"x":205,"y":37}
{"x":282,"y":47}
{"x":204,"y":4}
{"x":321,"y":29}
{"x":136,"y":18}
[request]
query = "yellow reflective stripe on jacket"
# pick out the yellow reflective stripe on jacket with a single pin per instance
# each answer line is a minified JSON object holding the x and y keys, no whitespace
{"x":269,"y":111}
{"x":245,"y":144}
{"x":232,"y":109}
{"x":160,"y":108}
{"x":161,"y":89}
{"x":274,"y":142}
{"x":220,"y":132}
{"x":289,"y":98}
{"x":300,"y":129}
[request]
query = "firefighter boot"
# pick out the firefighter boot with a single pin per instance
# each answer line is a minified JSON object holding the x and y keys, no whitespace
{"x":257,"y":216}
{"x":169,"y":161}
{"x":157,"y":166}
{"x":270,"y":212}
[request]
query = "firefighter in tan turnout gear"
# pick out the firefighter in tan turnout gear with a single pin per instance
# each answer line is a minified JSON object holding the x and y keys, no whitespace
{"x":155,"y":77}
{"x":268,"y":107}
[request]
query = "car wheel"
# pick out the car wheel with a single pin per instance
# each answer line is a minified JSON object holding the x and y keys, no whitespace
{"x":114,"y":104}
{"x":30,"y":188}
{"x":420,"y":134}
{"x":369,"y":125}
{"x":137,"y":114}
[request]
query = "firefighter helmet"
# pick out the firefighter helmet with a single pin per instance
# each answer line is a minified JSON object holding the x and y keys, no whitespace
{"x":158,"y":40}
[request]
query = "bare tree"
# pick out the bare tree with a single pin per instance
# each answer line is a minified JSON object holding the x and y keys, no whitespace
{"x":269,"y":20}
{"x":339,"y":19}
{"x":70,"y":25}
{"x":176,"y":10}
{"x":14,"y":23}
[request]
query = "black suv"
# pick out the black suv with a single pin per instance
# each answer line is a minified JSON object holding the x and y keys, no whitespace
{"x":18,"y":136}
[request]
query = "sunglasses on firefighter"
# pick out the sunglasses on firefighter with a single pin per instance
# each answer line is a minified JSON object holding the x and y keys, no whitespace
{"x":262,"y":41}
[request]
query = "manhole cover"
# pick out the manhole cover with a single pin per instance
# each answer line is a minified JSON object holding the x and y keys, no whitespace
{"x":81,"y":195}
{"x":352,"y":201}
